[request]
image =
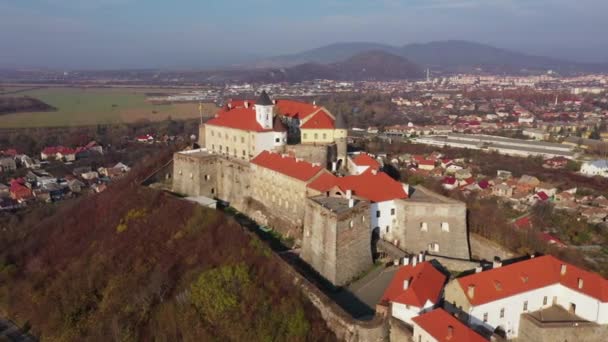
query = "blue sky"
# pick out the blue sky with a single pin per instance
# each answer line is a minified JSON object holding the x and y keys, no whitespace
{"x":190,"y":33}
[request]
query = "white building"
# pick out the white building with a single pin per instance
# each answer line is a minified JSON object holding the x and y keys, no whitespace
{"x":595,"y":168}
{"x":415,"y":288}
{"x":362,"y":162}
{"x":498,"y":297}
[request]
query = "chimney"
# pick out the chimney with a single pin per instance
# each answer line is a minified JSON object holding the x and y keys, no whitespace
{"x":450,"y":332}
{"x":497,"y":262}
{"x":563,"y":269}
{"x":351,"y":202}
{"x":314,"y":103}
{"x":316,"y":164}
{"x":580,"y":283}
{"x":229,"y":105}
{"x":298,"y":160}
{"x":414,"y":261}
{"x":406,"y":284}
{"x":349,"y":194}
{"x":246,"y":103}
{"x":274,"y":102}
{"x":406,"y":261}
{"x":532,"y":256}
{"x":478,"y":269}
{"x":374,"y":172}
{"x":420,"y":257}
{"x":471,"y":291}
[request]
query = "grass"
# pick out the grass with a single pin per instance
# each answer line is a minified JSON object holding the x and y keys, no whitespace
{"x":92,"y":106}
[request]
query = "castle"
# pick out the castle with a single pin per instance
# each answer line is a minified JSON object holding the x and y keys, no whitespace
{"x":284,"y":164}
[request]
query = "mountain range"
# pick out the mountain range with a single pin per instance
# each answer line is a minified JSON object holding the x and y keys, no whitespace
{"x":442,"y":56}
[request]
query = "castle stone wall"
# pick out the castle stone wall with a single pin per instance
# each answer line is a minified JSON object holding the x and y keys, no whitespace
{"x":430,"y":222}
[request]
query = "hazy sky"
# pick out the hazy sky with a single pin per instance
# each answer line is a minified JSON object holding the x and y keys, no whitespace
{"x":200,"y":33}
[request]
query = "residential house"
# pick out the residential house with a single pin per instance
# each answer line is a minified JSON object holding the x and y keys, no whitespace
{"x":595,"y":168}
{"x":440,"y":326}
{"x":7,"y":164}
{"x":555,"y":163}
{"x":357,"y":164}
{"x":414,"y":289}
{"x":19,"y":191}
{"x":502,"y":190}
{"x":497,"y":298}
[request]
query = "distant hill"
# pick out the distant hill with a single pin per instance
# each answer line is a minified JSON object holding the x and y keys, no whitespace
{"x":451,"y":55}
{"x":9,"y":105}
{"x":377,"y":65}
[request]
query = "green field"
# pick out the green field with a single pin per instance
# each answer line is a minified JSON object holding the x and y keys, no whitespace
{"x":91,"y":106}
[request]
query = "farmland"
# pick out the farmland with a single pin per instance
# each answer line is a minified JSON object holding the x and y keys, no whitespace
{"x":91,"y":106}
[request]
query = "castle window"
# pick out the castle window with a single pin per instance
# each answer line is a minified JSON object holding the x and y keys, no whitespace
{"x":445,"y":227}
{"x":212,"y":133}
{"x":213,"y":147}
{"x":278,"y":140}
{"x":226,"y":135}
{"x":502,"y":312}
{"x":485,"y":317}
{"x":525,"y":305}
{"x":212,"y":190}
{"x":242,"y":140}
{"x":433,"y":247}
{"x":191,"y":176}
{"x":305,"y":136}
{"x":207,"y":177}
{"x":545,"y":300}
{"x":377,"y":213}
{"x":362,"y":218}
{"x":244,"y":154}
{"x":393,"y":212}
{"x":424,"y":227}
{"x":179,"y":172}
{"x":351,"y":224}
{"x":324,"y":136}
{"x":388,"y":228}
{"x":316,"y":136}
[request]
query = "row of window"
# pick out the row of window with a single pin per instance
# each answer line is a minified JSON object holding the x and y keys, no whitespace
{"x":316,"y":136}
{"x":227,"y":151}
{"x":227,"y":137}
{"x":502,"y":310}
{"x":445,"y":227}
{"x":378,"y":213}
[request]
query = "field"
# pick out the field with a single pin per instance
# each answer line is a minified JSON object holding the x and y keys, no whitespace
{"x":91,"y":106}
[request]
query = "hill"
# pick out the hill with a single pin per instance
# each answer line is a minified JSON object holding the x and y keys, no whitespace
{"x":21,"y":104}
{"x":451,"y":55}
{"x":377,"y":65}
{"x":136,"y":264}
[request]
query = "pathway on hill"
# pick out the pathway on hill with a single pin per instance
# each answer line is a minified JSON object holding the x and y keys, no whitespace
{"x":11,"y":332}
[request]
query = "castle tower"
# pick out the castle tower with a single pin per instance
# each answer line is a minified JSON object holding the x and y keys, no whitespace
{"x":340,"y":136}
{"x":264,"y":110}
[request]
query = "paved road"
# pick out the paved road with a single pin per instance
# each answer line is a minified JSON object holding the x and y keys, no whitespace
{"x":10,"y":332}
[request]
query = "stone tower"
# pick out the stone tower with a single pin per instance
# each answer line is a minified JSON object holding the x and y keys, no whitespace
{"x":264,"y":109}
{"x":340,"y":137}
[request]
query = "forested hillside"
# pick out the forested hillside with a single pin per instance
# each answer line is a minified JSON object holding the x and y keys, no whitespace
{"x":134,"y":264}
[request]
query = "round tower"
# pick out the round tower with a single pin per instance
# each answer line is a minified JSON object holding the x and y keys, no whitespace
{"x":264,"y":110}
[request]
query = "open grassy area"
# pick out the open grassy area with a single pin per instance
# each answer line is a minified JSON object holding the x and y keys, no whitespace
{"x":90,"y":106}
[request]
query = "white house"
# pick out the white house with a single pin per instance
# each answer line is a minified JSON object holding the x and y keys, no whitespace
{"x":362,"y":162}
{"x":415,"y":288}
{"x":439,"y":326}
{"x":595,"y":168}
{"x":498,"y":297}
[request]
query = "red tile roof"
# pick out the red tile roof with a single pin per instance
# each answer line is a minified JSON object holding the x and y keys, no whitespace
{"x":324,"y":182}
{"x":425,"y":283}
{"x":438,"y":322}
{"x":287,"y":165}
{"x":371,"y":185}
{"x":239,"y":118}
{"x":364,"y":159}
{"x":321,"y":120}
{"x":532,"y":274}
{"x":523,"y":223}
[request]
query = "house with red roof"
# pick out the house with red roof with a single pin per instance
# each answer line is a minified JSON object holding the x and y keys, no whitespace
{"x":375,"y":186}
{"x":497,"y":298}
{"x":440,"y":326}
{"x":359,"y":163}
{"x":19,"y":192}
{"x":414,"y":289}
